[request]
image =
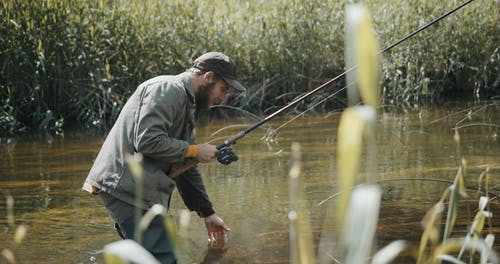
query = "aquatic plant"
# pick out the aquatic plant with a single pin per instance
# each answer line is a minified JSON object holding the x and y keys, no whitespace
{"x":301,"y":242}
{"x":433,"y":250}
{"x":357,"y":209}
{"x":131,"y":251}
{"x":74,"y":63}
{"x":9,"y":254}
{"x":128,"y":250}
{"x":134,"y":163}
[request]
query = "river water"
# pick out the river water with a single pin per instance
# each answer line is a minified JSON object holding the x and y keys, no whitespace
{"x":416,"y":160}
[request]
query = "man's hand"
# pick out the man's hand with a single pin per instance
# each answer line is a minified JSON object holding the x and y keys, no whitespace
{"x":206,"y":153}
{"x":216,"y":228}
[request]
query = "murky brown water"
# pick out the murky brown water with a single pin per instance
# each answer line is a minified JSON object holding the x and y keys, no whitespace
{"x":416,"y":161}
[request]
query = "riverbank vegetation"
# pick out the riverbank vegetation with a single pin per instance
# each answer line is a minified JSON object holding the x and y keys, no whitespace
{"x":74,"y":63}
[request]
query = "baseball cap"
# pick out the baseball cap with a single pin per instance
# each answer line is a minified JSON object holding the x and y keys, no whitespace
{"x":221,"y":65}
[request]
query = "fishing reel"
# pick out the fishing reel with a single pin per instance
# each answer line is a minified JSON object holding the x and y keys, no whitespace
{"x":225,"y":155}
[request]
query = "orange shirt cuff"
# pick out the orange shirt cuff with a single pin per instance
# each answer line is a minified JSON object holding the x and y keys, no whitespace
{"x":192,"y":151}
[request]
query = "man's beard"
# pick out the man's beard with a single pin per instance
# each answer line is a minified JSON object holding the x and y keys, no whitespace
{"x":202,"y":97}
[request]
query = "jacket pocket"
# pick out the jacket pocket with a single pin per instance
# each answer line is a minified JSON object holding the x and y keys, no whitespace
{"x":156,"y":183}
{"x":126,"y":183}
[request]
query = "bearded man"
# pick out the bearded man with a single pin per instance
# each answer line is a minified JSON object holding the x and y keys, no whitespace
{"x":157,"y":121}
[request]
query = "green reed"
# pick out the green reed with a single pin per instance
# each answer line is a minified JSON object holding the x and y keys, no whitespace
{"x":131,"y":250}
{"x":357,"y":208}
{"x":301,"y":238}
{"x":20,"y":231}
{"x":74,"y":63}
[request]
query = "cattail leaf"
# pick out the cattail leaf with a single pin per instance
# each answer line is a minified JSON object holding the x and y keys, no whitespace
{"x":457,"y":190}
{"x":452,"y":213}
{"x":448,"y":247}
{"x":110,"y":258}
{"x":460,"y":182}
{"x":184,"y":221}
{"x":478,"y":223}
{"x":108,"y":70}
{"x":456,"y":137}
{"x":348,"y":155}
{"x":134,"y":163}
{"x":305,"y":237}
{"x":39,"y":48}
{"x":362,"y":217}
{"x":389,"y":252}
{"x":431,"y":225}
{"x":362,"y":50}
{"x":367,"y":48}
{"x":451,"y":259}
{"x":10,"y":211}
{"x":8,"y":255}
{"x":488,"y":254}
{"x":127,"y":251}
{"x":489,"y":240}
{"x":483,"y":201}
{"x":301,"y":240}
{"x":146,"y":220}
{"x":475,"y":230}
{"x":171,"y":230}
{"x":20,"y":234}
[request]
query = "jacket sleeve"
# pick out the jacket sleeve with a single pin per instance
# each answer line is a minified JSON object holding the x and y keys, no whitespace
{"x":193,"y":192}
{"x":157,"y":111}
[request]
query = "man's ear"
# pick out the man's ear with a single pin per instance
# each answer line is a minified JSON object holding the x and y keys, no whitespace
{"x":208,"y":76}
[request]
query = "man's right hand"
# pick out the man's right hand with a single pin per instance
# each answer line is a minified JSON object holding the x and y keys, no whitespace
{"x":216,"y":229}
{"x":206,"y":153}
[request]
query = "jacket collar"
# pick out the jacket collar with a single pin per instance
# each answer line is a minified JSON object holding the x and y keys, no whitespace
{"x":188,"y":85}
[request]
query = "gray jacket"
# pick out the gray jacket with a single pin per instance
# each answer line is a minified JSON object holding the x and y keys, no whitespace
{"x":157,"y":121}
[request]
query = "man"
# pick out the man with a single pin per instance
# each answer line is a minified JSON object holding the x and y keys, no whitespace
{"x":157,"y":121}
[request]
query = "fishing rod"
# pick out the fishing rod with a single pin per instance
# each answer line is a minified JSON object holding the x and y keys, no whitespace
{"x":225,"y":154}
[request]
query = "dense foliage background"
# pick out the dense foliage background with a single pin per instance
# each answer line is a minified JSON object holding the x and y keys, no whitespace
{"x":74,"y":63}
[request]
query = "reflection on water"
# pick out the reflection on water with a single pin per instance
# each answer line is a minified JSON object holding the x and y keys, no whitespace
{"x":416,"y":156}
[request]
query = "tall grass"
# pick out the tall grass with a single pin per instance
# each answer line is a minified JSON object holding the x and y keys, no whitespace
{"x":455,"y":58}
{"x":358,"y":206}
{"x":74,"y":63}
{"x":15,"y":235}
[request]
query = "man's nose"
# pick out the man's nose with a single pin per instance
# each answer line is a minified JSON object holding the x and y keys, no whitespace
{"x":223,"y":98}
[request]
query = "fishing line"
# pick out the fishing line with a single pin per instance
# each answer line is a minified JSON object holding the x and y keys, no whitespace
{"x":425,"y":26}
{"x":383,"y":51}
{"x":476,"y":124}
{"x":256,"y":117}
{"x":328,"y":83}
{"x":470,"y":112}
{"x":314,"y":106}
{"x":225,"y":147}
{"x":479,"y":188}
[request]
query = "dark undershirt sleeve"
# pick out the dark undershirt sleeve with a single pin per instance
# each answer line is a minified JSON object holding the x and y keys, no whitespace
{"x":192,"y":190}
